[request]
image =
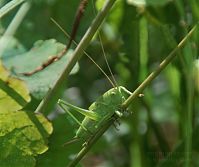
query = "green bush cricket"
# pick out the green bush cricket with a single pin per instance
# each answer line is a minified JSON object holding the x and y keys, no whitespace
{"x":102,"y":110}
{"x":106,"y":107}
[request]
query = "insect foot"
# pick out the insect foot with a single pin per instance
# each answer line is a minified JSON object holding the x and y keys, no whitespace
{"x":85,"y":144}
{"x":128,"y":112}
{"x":116,"y":124}
{"x":87,"y":141}
{"x":119,"y":114}
{"x":141,"y":95}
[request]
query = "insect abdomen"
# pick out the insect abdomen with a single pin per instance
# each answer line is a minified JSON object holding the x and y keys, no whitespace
{"x":90,"y":126}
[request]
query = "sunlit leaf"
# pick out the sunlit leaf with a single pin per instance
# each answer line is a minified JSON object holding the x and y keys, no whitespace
{"x":23,"y":136}
{"x":14,"y":94}
{"x":57,"y":155}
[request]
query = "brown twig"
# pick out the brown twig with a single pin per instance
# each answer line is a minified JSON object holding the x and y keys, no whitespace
{"x":78,"y":16}
{"x":46,"y":63}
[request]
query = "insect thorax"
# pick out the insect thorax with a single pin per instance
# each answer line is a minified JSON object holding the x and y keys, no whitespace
{"x":110,"y":101}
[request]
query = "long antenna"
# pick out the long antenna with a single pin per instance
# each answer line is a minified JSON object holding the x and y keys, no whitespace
{"x":103,"y":51}
{"x":90,"y":58}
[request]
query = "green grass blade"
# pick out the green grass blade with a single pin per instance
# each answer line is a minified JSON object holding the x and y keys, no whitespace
{"x":9,"y":6}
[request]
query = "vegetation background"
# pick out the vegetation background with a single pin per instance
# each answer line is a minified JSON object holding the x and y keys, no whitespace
{"x":136,"y":35}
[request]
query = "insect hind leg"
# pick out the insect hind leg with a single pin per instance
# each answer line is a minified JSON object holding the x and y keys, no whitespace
{"x":74,"y":140}
{"x":74,"y":118}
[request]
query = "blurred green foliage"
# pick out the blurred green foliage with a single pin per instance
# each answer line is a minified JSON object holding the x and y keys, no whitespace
{"x":137,"y":35}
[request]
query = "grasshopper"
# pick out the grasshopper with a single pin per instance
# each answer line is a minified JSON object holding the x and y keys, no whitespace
{"x":106,"y":107}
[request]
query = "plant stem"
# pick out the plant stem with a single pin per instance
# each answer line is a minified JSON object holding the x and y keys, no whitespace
{"x":13,"y":26}
{"x":156,"y":72}
{"x":90,"y":143}
{"x":77,"y":54}
{"x":9,"y":6}
{"x":139,"y":90}
{"x":163,"y":144}
{"x":189,"y":116}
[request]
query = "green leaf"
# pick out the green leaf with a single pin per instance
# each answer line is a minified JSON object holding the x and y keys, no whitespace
{"x":114,"y":18}
{"x":196,"y":74}
{"x":14,"y":94}
{"x":173,"y":76}
{"x":140,"y":3}
{"x":57,"y":155}
{"x":23,"y":136}
{"x":40,"y":82}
